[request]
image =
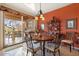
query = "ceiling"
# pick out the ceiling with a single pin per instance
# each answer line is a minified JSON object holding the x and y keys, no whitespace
{"x":33,"y":8}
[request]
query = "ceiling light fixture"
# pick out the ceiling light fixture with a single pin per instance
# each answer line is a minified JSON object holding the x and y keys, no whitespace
{"x":40,"y":14}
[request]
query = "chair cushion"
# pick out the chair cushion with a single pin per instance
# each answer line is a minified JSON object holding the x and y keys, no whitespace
{"x":35,"y":45}
{"x":49,"y":48}
{"x":34,"y":50}
{"x":67,"y":41}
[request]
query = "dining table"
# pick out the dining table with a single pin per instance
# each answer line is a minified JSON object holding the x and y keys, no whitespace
{"x":43,"y":38}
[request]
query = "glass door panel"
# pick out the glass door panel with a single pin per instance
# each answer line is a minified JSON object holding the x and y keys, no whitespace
{"x":12,"y":31}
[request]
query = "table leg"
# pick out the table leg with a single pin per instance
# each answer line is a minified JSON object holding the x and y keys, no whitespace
{"x":70,"y":47}
{"x":43,"y":48}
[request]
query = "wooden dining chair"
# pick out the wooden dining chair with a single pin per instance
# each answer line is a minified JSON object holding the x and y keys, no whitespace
{"x":70,"y":36}
{"x":55,"y":48}
{"x":33,"y":48}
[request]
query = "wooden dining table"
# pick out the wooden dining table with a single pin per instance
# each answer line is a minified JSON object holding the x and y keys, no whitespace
{"x":43,"y":38}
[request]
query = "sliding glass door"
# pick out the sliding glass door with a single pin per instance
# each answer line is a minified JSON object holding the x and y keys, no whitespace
{"x":12,"y":31}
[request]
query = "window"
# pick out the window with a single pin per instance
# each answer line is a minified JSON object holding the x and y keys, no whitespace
{"x":12,"y":30}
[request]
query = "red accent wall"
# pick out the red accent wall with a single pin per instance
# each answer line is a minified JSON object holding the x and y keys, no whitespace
{"x":62,"y":14}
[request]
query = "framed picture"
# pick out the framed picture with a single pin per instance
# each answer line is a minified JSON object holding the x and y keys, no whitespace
{"x":71,"y":24}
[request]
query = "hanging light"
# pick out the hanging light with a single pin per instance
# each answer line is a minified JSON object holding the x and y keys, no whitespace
{"x":40,"y":14}
{"x":36,"y":17}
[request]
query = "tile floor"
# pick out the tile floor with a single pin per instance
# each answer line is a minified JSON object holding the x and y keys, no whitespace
{"x":21,"y":51}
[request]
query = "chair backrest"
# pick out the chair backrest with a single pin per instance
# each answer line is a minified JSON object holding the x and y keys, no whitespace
{"x":58,"y":40}
{"x":28,"y":40}
{"x":70,"y":35}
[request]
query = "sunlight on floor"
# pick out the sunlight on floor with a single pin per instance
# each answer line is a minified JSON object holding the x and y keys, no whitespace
{"x":20,"y":51}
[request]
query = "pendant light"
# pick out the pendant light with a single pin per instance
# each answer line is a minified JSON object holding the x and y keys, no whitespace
{"x":40,"y":14}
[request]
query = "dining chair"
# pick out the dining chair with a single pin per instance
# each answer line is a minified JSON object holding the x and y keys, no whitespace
{"x":55,"y":48}
{"x":31,"y":46}
{"x":70,"y":36}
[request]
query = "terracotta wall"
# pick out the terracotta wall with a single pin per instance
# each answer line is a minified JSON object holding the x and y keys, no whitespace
{"x":62,"y":14}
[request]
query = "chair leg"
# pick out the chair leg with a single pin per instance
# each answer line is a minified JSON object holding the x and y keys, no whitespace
{"x":41,"y":47}
{"x":27,"y":53}
{"x":47,"y":50}
{"x":59,"y":52}
{"x":73,"y":46}
{"x":33,"y":54}
{"x":54,"y":53}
